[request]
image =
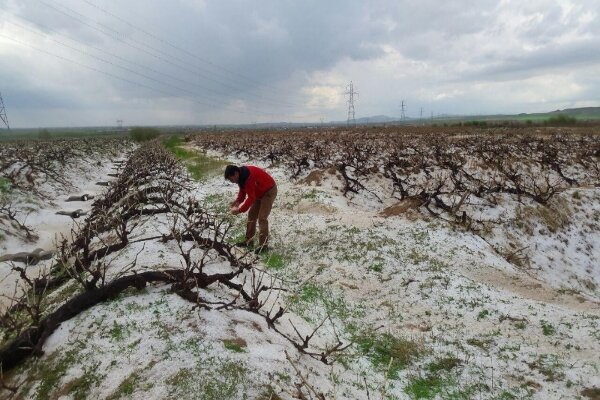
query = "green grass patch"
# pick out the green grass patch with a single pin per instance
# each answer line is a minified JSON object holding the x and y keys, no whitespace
{"x":50,"y":371}
{"x":5,"y":185}
{"x":520,"y":325}
{"x":81,"y":387}
{"x":547,"y":328}
{"x":44,"y":134}
{"x":214,"y":380}
{"x":483,"y":343}
{"x":549,"y":366}
{"x":117,"y":332}
{"x":427,"y":387}
{"x":310,"y":292}
{"x":313,"y":302}
{"x":482,"y":314}
{"x":126,"y":388}
{"x":561,"y":119}
{"x":388,"y":353}
{"x":143,"y":134}
{"x":61,"y":294}
{"x":377,"y":267}
{"x":50,"y":378}
{"x":199,"y":165}
{"x":310,"y":195}
{"x":274,"y":261}
{"x":444,"y":364}
{"x":439,"y":382}
{"x":237,"y":346}
{"x":356,"y":246}
{"x":218,"y":203}
{"x":174,"y":145}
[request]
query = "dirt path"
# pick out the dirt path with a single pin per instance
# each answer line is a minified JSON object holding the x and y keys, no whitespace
{"x":526,"y":287}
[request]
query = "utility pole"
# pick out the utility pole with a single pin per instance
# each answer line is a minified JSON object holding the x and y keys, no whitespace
{"x":120,"y":124}
{"x":3,"y":116}
{"x":351,"y":93}
{"x":403,"y":116}
{"x":421,"y":116}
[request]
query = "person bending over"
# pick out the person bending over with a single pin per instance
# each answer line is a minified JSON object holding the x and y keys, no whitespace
{"x":257,"y":192}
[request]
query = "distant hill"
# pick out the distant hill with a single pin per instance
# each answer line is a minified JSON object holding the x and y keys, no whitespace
{"x":376,"y":119}
{"x":582,"y":114}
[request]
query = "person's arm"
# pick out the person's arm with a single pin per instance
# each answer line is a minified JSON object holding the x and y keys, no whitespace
{"x":251,"y":196}
{"x":239,"y":199}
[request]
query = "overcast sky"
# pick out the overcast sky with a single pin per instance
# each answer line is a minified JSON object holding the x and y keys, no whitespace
{"x":92,"y":62}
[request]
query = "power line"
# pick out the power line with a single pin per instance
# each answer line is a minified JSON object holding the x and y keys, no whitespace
{"x":351,"y":114}
{"x":220,"y":68}
{"x":136,"y":83}
{"x":3,"y":116}
{"x":111,"y":74}
{"x":139,"y":65}
{"x":129,"y":69}
{"x":150,"y":50}
{"x":135,"y":72}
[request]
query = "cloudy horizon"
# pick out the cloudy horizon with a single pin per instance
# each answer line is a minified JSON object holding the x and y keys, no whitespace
{"x":93,"y":62}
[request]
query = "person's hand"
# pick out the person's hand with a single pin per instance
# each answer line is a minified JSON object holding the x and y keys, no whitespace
{"x":234,"y":204}
{"x":234,"y":210}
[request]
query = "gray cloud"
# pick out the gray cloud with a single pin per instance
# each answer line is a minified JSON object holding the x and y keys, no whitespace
{"x":550,"y":58}
{"x":209,"y":61}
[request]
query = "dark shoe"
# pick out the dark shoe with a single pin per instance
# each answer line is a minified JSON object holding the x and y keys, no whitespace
{"x":262,"y":249}
{"x":242,"y":244}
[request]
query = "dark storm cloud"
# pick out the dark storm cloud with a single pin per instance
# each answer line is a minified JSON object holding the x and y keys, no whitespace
{"x":271,"y":40}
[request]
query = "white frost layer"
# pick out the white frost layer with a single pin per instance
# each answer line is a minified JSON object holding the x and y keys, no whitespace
{"x":511,"y":329}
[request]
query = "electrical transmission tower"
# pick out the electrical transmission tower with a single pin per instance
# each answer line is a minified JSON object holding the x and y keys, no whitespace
{"x":403,"y":108}
{"x":351,"y":93}
{"x":3,"y":116}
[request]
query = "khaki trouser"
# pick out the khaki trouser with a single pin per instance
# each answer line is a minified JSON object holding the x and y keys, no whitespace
{"x":260,"y":211}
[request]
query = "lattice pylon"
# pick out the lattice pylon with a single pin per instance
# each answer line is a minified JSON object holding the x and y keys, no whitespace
{"x":3,"y":116}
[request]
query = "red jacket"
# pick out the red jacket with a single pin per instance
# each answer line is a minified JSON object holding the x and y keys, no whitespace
{"x":257,"y":184}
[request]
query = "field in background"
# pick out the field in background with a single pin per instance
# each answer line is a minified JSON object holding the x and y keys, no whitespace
{"x":575,"y":116}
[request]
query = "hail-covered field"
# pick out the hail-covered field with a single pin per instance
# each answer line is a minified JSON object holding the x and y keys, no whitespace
{"x":404,"y":263}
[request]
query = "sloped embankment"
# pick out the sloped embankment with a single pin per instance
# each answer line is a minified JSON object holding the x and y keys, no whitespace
{"x":150,"y":275}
